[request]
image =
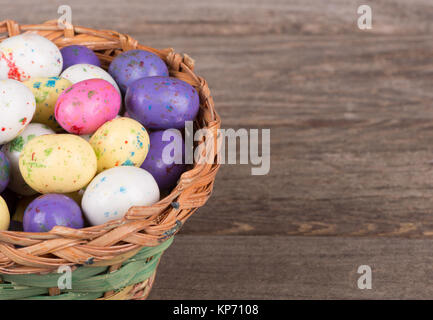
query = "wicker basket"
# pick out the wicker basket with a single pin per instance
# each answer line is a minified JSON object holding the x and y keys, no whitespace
{"x":117,"y":260}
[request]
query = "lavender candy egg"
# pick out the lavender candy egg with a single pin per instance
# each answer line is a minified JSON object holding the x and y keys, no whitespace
{"x":77,"y":54}
{"x":5,"y":168}
{"x":162,"y":102}
{"x":135,"y":64}
{"x":166,"y":167}
{"x":50,"y":210}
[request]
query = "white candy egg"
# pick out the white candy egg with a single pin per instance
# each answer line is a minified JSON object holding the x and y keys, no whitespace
{"x":28,"y":56}
{"x":17,"y":107}
{"x":84,"y":71}
{"x":112,"y":192}
{"x":13,"y":150}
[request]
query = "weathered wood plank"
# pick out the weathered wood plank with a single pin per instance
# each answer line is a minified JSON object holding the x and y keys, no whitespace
{"x":351,"y":142}
{"x":232,"y":18}
{"x":262,"y":267}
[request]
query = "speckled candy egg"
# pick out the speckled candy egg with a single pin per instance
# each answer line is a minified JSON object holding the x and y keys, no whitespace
{"x":162,"y":102}
{"x":120,"y":142}
{"x":85,"y":71}
{"x":77,"y":54}
{"x":5,"y":169}
{"x":24,"y":202}
{"x":135,"y":64}
{"x":88,"y":136}
{"x":165,"y":160}
{"x":13,"y":150}
{"x":17,"y":107}
{"x":112,"y":192}
{"x":87,"y":105}
{"x":50,"y":210}
{"x":4,"y":215}
{"x":57,"y":163}
{"x":46,"y":92}
{"x":28,"y":56}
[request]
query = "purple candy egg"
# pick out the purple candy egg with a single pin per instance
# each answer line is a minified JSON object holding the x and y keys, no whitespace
{"x":162,"y":102}
{"x":77,"y":54}
{"x":50,"y":210}
{"x":165,"y":171}
{"x":5,"y":168}
{"x":136,"y":64}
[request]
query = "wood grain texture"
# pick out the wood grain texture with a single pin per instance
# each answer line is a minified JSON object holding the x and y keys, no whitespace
{"x":351,"y":121}
{"x":269,"y":267}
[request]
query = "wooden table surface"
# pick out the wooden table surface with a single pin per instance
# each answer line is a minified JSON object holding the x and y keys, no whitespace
{"x":351,"y":119}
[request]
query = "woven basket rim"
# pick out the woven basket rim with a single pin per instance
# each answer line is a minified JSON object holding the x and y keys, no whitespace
{"x":117,"y":240}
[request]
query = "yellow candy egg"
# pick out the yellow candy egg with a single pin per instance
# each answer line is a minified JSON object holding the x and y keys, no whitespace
{"x":120,"y":142}
{"x":4,"y":215}
{"x":57,"y":163}
{"x":46,"y":92}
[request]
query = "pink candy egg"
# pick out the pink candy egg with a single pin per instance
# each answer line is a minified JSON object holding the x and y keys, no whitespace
{"x":87,"y":105}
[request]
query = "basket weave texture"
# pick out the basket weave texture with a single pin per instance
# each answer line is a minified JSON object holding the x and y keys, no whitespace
{"x":28,"y":260}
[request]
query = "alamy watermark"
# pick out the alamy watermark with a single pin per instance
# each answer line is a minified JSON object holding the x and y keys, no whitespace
{"x":221,"y":147}
{"x":365,"y":280}
{"x":65,"y":19}
{"x":365,"y":18}
{"x":65,"y":280}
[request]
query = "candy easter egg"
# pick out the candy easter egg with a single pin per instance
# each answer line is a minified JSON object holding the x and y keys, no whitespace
{"x":4,"y":215}
{"x":85,"y":71}
{"x":87,"y":105}
{"x":88,"y":136}
{"x":5,"y":168}
{"x":46,"y":92}
{"x":165,"y":158}
{"x":17,"y":107}
{"x":57,"y":163}
{"x":77,"y":54}
{"x":29,"y":55}
{"x":50,"y":210}
{"x":135,"y":64}
{"x":13,"y":151}
{"x":120,"y":142}
{"x":162,"y":102}
{"x":112,"y":192}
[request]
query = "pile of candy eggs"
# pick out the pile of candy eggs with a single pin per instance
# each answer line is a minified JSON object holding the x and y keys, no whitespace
{"x":80,"y":145}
